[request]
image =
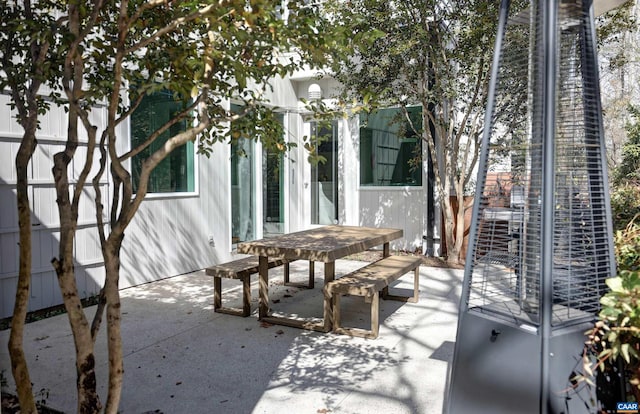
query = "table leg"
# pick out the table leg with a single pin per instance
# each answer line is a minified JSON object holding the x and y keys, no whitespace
{"x":329,"y":275}
{"x":385,"y":250}
{"x":263,"y":280}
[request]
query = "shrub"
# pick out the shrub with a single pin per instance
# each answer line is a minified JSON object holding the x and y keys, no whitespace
{"x":617,"y":332}
{"x":627,"y":245}
{"x":625,"y":204}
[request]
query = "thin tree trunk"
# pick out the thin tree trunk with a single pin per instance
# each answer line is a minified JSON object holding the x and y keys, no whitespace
{"x":19,"y":367}
{"x":88,"y":399}
{"x":453,"y":250}
{"x":116,"y":366}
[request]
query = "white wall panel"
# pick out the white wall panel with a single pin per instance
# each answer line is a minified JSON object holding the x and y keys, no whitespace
{"x":45,"y":208}
{"x":78,"y":164}
{"x":9,"y":208}
{"x":44,"y":247}
{"x":42,"y":161}
{"x":7,"y":296}
{"x":8,"y":254}
{"x":86,"y":206}
{"x":87,"y":246}
{"x":45,"y":291}
{"x":8,"y":124}
{"x":53,"y":125}
{"x":94,"y":279}
{"x":8,"y":153}
{"x":403,"y":208}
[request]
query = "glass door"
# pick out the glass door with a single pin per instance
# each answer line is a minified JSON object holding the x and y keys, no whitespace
{"x":324,"y":175}
{"x":272,"y":193}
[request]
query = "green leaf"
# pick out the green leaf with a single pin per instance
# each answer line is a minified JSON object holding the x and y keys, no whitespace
{"x":624,"y":351}
{"x":615,"y":284}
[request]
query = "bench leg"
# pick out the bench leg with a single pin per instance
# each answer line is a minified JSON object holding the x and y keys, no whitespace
{"x":246,"y":298}
{"x":411,"y":299}
{"x":416,"y":287}
{"x":362,"y":333}
{"x":327,"y":310}
{"x":375,"y":312}
{"x":217,"y":293}
{"x":309,"y":285}
{"x":335,"y":303}
{"x":263,"y":282}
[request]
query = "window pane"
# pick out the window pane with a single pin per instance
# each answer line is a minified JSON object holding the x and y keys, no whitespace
{"x":389,"y":148}
{"x":242,"y":189}
{"x":324,"y":176}
{"x":273,"y":190}
{"x":175,"y":173}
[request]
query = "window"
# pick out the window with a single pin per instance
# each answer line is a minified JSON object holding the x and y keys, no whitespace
{"x":273,"y":190}
{"x":324,"y":176}
{"x":390,"y":150}
{"x":175,"y":174}
{"x":243,"y":188}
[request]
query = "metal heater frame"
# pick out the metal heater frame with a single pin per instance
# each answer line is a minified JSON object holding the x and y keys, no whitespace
{"x":492,"y":352}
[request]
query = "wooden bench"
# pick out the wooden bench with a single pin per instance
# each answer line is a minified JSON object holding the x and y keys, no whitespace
{"x":368,"y":282}
{"x":242,"y":269}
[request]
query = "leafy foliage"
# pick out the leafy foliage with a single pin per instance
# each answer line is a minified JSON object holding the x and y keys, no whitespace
{"x":21,"y":39}
{"x":629,"y":169}
{"x":611,"y":28}
{"x":617,"y":333}
{"x":428,"y":53}
{"x":625,"y":204}
{"x":627,"y":246}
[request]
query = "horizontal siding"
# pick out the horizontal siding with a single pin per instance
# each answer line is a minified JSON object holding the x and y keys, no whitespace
{"x":45,"y":219}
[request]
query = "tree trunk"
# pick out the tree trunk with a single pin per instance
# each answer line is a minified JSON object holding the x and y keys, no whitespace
{"x":459,"y":230}
{"x":88,"y":399}
{"x":19,"y":367}
{"x":111,"y":253}
{"x":453,"y":248}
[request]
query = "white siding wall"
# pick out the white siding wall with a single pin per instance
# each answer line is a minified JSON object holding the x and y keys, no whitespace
{"x":45,"y":221}
{"x":170,"y":235}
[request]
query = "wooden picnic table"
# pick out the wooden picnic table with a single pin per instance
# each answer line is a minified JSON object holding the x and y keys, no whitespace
{"x":322,"y":244}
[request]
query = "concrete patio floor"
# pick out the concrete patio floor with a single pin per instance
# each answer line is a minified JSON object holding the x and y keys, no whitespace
{"x":181,"y":357}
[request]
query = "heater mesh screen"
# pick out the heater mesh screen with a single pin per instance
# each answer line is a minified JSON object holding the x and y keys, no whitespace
{"x":506,"y":273}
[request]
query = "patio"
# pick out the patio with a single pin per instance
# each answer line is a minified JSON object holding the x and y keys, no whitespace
{"x":180,"y":356}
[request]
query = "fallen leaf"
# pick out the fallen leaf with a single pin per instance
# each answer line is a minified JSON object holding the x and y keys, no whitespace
{"x":179,"y":383}
{"x":323,"y":411}
{"x":280,"y":332}
{"x":265,"y":324}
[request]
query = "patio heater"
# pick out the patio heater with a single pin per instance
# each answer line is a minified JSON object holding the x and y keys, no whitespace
{"x":540,"y":243}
